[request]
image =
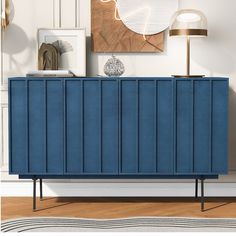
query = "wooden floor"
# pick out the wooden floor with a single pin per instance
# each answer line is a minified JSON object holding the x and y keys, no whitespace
{"x":14,"y":207}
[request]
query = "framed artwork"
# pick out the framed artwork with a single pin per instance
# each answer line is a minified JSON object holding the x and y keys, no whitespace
{"x":130,"y":25}
{"x":71,"y":44}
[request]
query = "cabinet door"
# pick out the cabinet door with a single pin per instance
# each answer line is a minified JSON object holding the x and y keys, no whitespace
{"x":36,"y":126}
{"x":91,"y":126}
{"x":146,"y":126}
{"x":201,"y":126}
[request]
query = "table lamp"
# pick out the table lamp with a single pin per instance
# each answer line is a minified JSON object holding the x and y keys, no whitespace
{"x":188,"y":23}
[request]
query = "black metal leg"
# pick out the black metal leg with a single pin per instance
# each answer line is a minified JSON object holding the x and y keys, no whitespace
{"x":196,"y":188}
{"x":41,"y":189}
{"x":34,"y":194}
{"x":202,"y":194}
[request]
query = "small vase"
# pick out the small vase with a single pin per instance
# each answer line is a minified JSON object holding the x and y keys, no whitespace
{"x":114,"y":67}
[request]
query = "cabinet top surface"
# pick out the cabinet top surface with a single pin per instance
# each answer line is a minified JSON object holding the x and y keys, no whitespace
{"x":117,"y":78}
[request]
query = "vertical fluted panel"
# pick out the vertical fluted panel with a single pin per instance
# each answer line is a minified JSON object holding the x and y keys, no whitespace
{"x":36,"y":126}
{"x":128,"y":127}
{"x":119,"y":127}
{"x":137,"y":128}
{"x":55,"y":124}
{"x":92,"y":161}
{"x":73,"y":126}
{"x":18,"y":127}
{"x":219,"y":126}
{"x":146,"y":151}
{"x":45,"y":124}
{"x":184,"y":119}
{"x":82,"y":123}
{"x":109,"y":127}
{"x":155,"y":122}
{"x":202,"y":126}
{"x":164,"y":126}
{"x":27,"y":125}
{"x":100,"y":129}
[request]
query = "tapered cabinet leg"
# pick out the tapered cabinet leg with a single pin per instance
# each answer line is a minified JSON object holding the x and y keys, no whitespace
{"x":202,"y":194}
{"x":196,"y":188}
{"x":41,"y":188}
{"x":34,"y":194}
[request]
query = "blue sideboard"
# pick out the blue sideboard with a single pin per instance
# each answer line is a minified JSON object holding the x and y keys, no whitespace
{"x":118,"y":128}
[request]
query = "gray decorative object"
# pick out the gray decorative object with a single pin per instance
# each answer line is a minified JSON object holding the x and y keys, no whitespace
{"x":114,"y":67}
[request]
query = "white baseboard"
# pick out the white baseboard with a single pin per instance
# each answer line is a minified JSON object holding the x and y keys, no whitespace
{"x":86,"y":189}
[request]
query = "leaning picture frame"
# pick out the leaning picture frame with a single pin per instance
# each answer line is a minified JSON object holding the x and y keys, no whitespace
{"x":71,"y":44}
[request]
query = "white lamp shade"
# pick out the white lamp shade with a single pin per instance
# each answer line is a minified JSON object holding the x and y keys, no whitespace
{"x":188,"y":22}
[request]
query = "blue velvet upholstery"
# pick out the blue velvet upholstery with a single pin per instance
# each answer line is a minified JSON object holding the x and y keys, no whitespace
{"x":118,"y":127}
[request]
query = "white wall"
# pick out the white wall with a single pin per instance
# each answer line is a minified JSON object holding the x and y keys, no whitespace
{"x":212,"y":56}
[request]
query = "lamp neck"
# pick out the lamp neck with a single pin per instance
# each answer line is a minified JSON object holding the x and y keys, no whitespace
{"x":188,"y":56}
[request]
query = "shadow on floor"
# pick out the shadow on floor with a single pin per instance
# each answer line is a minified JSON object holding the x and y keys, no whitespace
{"x":141,"y":199}
{"x":62,"y":201}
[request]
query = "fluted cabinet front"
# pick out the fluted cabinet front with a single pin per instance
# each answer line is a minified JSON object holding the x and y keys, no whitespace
{"x":146,"y":126}
{"x":118,"y":126}
{"x":91,"y":127}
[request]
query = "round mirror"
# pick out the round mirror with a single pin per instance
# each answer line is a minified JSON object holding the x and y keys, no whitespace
{"x":146,"y":17}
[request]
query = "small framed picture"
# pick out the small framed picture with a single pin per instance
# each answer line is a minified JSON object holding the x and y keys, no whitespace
{"x":71,"y":44}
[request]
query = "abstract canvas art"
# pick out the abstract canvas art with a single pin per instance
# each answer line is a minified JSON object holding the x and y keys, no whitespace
{"x":130,"y":25}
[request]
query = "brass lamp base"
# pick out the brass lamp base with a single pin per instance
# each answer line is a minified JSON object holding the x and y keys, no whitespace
{"x":188,"y":76}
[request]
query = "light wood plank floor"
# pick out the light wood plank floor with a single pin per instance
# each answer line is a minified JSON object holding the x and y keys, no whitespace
{"x":14,"y":207}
